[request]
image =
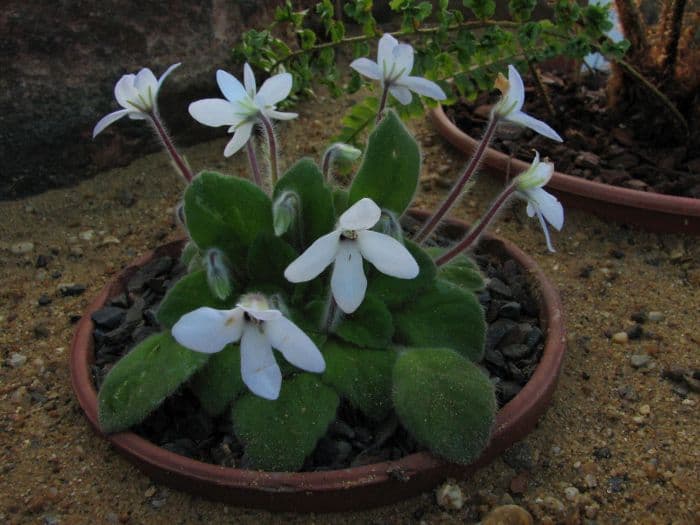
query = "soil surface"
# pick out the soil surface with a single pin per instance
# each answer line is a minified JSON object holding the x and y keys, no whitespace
{"x":598,"y":145}
{"x":618,"y":445}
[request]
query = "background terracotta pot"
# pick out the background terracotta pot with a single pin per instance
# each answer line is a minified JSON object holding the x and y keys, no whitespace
{"x":651,"y":211}
{"x":347,"y":489}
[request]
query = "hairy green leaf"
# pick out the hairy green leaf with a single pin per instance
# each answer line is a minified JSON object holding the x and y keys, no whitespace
{"x":390,"y":168}
{"x":444,"y":316}
{"x":362,"y":376}
{"x":445,"y":401}
{"x":279,"y":435}
{"x":142,"y":379}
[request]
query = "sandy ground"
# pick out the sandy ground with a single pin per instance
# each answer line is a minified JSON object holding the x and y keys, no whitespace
{"x":618,"y":445}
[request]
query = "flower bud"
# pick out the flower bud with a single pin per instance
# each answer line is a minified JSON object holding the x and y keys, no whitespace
{"x":389,"y":225}
{"x":218,"y":273}
{"x":345,"y":152}
{"x":285,"y":210}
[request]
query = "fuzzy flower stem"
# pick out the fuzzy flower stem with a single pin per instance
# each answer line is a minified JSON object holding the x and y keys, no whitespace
{"x":382,"y":103}
{"x":182,"y":166}
{"x":456,"y":190}
{"x":331,"y":315}
{"x":253,"y":161}
{"x":272,"y":147}
{"x":327,"y":164}
{"x":477,"y":230}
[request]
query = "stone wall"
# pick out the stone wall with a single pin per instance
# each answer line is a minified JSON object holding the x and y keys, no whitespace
{"x":60,"y":60}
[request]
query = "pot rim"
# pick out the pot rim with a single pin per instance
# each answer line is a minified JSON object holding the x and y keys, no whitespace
{"x":577,"y":186}
{"x":515,"y":419}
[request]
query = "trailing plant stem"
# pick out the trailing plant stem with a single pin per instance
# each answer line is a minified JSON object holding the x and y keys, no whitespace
{"x":456,"y":190}
{"x":253,"y":161}
{"x":272,"y":148}
{"x":177,"y":159}
{"x":477,"y":230}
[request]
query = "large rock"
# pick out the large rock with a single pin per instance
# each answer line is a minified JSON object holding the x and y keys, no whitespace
{"x":60,"y":61}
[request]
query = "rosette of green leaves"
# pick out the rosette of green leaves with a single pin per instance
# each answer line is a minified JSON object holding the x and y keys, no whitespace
{"x":410,"y":348}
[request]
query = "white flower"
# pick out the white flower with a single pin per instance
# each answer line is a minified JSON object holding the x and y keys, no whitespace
{"x":137,"y":94}
{"x":243,"y":105}
{"x":511,"y":104}
{"x":393,"y":67}
{"x":529,"y":186}
{"x":260,"y":329}
{"x":346,"y":247}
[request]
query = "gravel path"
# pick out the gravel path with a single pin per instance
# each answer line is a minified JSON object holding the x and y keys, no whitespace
{"x":618,"y":445}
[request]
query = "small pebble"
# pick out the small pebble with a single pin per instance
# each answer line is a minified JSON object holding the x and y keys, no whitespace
{"x":645,"y":410}
{"x":655,"y":316}
{"x":590,"y":481}
{"x":620,"y":338}
{"x":571,"y":493}
{"x":87,"y":235}
{"x":20,"y":248}
{"x":640,"y":360}
{"x":44,"y":300}
{"x":449,"y":496}
{"x":41,"y":331}
{"x":71,"y":289}
{"x":16,"y":360}
{"x":508,"y":515}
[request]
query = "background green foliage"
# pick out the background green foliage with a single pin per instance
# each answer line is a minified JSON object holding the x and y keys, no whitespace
{"x":461,"y":45}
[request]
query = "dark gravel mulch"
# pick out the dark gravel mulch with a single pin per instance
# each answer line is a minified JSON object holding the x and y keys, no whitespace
{"x":514,"y":344}
{"x":598,"y":144}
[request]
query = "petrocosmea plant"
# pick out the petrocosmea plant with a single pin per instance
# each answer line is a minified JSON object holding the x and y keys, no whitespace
{"x":301,"y":292}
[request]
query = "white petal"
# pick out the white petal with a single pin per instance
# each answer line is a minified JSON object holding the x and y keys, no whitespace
{"x":276,"y":88}
{"x":249,"y":80}
{"x":208,"y":330}
{"x":360,"y":216}
{"x":146,"y":84}
{"x":543,"y":224}
{"x":229,"y":85}
{"x":424,"y":87}
{"x":535,"y":125}
{"x":348,"y":282}
{"x":315,"y":259}
{"x":239,"y":139}
{"x":385,"y":55}
{"x":387,"y":254}
{"x":280,"y":115}
{"x":124,"y":91}
{"x":295,"y":345}
{"x":137,"y":115}
{"x":213,"y":112}
{"x":107,"y":120}
{"x":366,"y":67}
{"x":549,"y":206}
{"x":402,"y":94}
{"x":542,"y":172}
{"x":259,"y":369}
{"x":516,"y":89}
{"x":167,"y":72}
{"x":403,"y":60}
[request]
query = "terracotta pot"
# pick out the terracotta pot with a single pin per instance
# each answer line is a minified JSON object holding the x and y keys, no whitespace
{"x":651,"y":211}
{"x":348,"y":489}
